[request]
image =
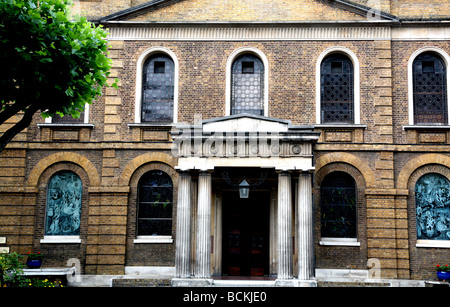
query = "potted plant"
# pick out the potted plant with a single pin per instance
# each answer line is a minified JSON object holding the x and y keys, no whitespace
{"x":443,"y":272}
{"x":34,"y":260}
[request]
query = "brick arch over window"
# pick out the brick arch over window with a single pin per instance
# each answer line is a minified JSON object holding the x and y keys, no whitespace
{"x":137,"y":162}
{"x":83,"y":162}
{"x":415,"y":163}
{"x":353,"y":160}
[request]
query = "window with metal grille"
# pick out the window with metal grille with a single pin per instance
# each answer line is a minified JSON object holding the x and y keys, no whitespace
{"x":68,"y":119}
{"x":158,"y":89}
{"x":430,"y":90}
{"x":337,"y":105}
{"x":338,"y":206}
{"x":247,"y":85}
{"x":155,"y":203}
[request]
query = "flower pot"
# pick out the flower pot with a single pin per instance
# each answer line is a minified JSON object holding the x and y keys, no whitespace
{"x":443,"y":275}
{"x":34,"y":263}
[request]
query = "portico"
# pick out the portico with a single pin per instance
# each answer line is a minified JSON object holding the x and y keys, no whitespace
{"x":242,"y":143}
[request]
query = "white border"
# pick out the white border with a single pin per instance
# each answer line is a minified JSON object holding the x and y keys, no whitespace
{"x":446,"y":58}
{"x":139,"y":70}
{"x":230,"y":61}
{"x":356,"y":82}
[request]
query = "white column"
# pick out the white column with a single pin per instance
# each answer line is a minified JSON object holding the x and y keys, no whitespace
{"x":203,"y":242}
{"x":183,"y":239}
{"x":285,"y":248}
{"x":305,"y":228}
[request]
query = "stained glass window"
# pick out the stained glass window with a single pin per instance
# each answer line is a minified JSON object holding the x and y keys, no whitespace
{"x":155,"y":202}
{"x":63,"y":214}
{"x":430,"y":89}
{"x":433,"y":207}
{"x":337,"y":90}
{"x":158,"y":89}
{"x":247,"y":85}
{"x":338,"y":206}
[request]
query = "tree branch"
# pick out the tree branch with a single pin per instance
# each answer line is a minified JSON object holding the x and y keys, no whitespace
{"x":17,"y":128}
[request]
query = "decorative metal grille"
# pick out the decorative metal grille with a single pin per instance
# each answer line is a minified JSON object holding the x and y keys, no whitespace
{"x":63,"y":214}
{"x":337,"y":90}
{"x":430,"y":89}
{"x":158,"y":89}
{"x":433,"y":207}
{"x":338,"y":206}
{"x":155,"y":202}
{"x":247,"y":85}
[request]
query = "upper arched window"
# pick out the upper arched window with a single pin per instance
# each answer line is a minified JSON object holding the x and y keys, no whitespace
{"x":430,"y":89}
{"x":337,"y":90}
{"x":433,"y":207}
{"x":158,"y":89}
{"x":63,"y":213}
{"x":338,"y":206}
{"x":247,"y":85}
{"x":155,"y":203}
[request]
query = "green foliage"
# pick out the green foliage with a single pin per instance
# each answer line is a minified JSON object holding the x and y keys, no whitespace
{"x":11,"y":269}
{"x":443,"y":268}
{"x":51,"y":61}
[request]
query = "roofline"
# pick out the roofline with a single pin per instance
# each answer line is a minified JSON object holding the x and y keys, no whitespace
{"x":155,"y":4}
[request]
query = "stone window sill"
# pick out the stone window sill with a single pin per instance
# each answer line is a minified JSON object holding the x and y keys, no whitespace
{"x":427,"y":134}
{"x":61,"y":240}
{"x":433,"y":243}
{"x":339,"y":242}
{"x":153,"y":239}
{"x":65,"y":132}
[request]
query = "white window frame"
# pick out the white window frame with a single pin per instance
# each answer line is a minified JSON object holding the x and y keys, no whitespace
{"x":139,"y":75}
{"x":416,"y":53}
{"x":356,"y":83}
{"x":229,"y":75}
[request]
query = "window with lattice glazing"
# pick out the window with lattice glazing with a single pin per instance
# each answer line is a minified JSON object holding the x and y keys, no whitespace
{"x":338,"y":206}
{"x":337,"y":104}
{"x":158,"y":89}
{"x":430,"y":90}
{"x":247,"y":85}
{"x":68,"y":119}
{"x":155,"y":203}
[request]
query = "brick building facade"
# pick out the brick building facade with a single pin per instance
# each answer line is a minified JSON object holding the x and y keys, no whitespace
{"x":363,"y":137}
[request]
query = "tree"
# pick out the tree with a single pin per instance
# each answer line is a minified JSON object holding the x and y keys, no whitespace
{"x":51,"y":61}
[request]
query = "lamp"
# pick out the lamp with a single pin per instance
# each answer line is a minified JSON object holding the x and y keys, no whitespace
{"x":244,"y":189}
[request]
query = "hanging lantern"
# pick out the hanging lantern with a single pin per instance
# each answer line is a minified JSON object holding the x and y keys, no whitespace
{"x":244,"y":189}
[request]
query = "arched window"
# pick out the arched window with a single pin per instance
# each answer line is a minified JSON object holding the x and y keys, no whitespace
{"x":338,"y":206}
{"x":336,"y":92}
{"x":430,"y":89}
{"x":155,"y":202}
{"x":158,"y":89}
{"x":247,"y":85}
{"x":433,"y":207}
{"x":63,"y":213}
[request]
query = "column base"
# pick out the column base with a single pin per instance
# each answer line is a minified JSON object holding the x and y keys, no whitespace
{"x":191,"y":282}
{"x":295,"y":283}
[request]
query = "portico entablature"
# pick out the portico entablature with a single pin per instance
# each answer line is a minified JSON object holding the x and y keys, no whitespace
{"x":244,"y":140}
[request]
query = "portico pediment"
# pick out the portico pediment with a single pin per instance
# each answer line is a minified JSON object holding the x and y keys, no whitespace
{"x":245,"y":123}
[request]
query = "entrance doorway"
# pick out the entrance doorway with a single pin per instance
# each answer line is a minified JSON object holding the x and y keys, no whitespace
{"x":246,"y":225}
